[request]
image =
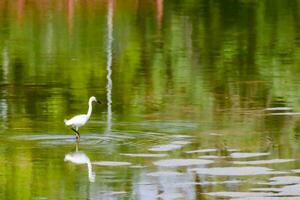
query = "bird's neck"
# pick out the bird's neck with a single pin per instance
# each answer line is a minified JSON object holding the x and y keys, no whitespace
{"x":90,"y":172}
{"x":89,"y":110}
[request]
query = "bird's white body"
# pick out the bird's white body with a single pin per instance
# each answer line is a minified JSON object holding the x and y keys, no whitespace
{"x":77,"y":121}
{"x":80,"y":120}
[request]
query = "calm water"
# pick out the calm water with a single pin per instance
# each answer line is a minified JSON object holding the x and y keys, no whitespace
{"x":201,"y":99}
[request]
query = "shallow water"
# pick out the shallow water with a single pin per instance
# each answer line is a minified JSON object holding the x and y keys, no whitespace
{"x":200,"y":99}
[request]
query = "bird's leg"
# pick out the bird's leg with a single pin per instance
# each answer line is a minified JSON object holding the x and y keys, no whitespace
{"x":78,"y":137}
{"x":76,"y":147}
{"x":77,"y":134}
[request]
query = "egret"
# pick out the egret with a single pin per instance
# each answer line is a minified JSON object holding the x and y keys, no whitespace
{"x":80,"y":120}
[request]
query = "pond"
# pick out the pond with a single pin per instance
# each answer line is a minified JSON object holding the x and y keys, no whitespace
{"x":200,"y":99}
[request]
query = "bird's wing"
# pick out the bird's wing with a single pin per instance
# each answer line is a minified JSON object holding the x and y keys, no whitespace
{"x":77,"y":120}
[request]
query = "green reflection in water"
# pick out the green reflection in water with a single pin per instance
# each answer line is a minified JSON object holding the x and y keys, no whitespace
{"x":186,"y":75}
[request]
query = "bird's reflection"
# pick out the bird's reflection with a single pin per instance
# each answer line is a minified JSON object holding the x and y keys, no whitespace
{"x":78,"y":158}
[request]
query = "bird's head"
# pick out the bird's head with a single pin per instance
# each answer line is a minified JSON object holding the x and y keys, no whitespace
{"x":92,"y":98}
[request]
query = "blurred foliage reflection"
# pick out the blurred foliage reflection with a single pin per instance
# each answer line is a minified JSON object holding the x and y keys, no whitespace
{"x":209,"y":65}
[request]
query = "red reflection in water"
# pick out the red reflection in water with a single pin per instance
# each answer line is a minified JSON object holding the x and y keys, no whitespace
{"x":111,"y":6}
{"x":20,"y":11}
{"x":70,"y":10}
{"x":159,"y":11}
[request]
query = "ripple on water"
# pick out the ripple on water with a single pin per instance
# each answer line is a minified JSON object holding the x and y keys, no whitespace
{"x":166,"y":147}
{"x":283,"y":180}
{"x":165,"y":173}
{"x":173,"y":195}
{"x":63,"y":139}
{"x":181,"y":136}
{"x":169,"y":147}
{"x":236,"y":171}
{"x":181,"y":162}
{"x":211,"y":157}
{"x":181,"y":142}
{"x":240,"y":194}
{"x":232,"y":150}
{"x":289,"y":190}
{"x":144,"y":155}
{"x":138,"y":166}
{"x":216,"y":134}
{"x":296,"y":170}
{"x":265,"y":189}
{"x":248,"y":155}
{"x":206,"y":183}
{"x":202,"y":151}
{"x":286,"y":113}
{"x":47,"y":139}
{"x":111,"y":163}
{"x":258,"y":162}
{"x":267,"y":198}
{"x":110,"y":194}
{"x":42,"y":137}
{"x":278,"y":109}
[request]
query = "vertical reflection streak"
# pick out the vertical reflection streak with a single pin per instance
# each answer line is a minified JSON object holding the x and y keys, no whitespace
{"x":5,"y":64}
{"x":109,"y":62}
{"x":70,"y":15}
{"x":3,"y":101}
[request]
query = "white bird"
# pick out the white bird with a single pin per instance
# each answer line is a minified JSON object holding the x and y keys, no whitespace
{"x":80,"y":120}
{"x":81,"y":158}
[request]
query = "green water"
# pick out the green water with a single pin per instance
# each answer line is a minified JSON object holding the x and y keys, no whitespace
{"x":190,"y":79}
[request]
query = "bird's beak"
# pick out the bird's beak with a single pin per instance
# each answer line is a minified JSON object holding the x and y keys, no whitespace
{"x":99,"y":102}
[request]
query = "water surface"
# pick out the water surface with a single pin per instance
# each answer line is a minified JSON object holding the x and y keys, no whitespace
{"x":201,"y":99}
